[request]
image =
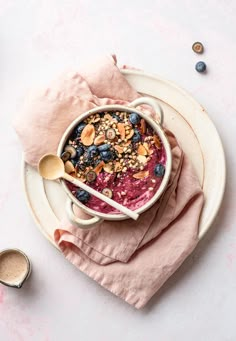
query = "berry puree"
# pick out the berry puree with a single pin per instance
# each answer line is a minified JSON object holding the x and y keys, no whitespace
{"x":117,"y":154}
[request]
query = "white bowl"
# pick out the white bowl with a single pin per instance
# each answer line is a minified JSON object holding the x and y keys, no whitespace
{"x":155,"y":123}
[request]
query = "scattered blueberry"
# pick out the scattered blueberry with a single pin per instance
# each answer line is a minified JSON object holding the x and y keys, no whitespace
{"x":82,"y":196}
{"x":80,"y":128}
{"x":159,"y":170}
{"x":116,"y":117}
{"x":104,"y":147}
{"x":106,"y":155}
{"x":92,"y":152}
{"x":137,"y":136}
{"x":134,"y":118}
{"x":200,"y":67}
{"x":80,"y":151}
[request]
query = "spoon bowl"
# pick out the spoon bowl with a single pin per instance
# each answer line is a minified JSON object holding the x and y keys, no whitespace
{"x":51,"y":167}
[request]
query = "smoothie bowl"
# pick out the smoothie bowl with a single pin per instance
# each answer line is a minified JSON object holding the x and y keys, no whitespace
{"x":120,"y":152}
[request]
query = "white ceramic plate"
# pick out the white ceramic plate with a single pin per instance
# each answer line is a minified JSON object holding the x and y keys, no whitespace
{"x":186,"y":119}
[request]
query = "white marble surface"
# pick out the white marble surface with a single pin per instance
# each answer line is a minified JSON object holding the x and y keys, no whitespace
{"x":38,"y":40}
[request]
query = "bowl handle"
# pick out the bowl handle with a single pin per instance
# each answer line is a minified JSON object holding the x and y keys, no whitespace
{"x":159,"y":115}
{"x":81,"y":223}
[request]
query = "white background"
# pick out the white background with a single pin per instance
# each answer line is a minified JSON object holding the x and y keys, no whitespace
{"x":38,"y":40}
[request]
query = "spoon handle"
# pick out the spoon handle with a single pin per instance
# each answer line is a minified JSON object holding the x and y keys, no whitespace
{"x":101,"y":196}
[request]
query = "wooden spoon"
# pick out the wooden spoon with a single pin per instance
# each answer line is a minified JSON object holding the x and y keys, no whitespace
{"x":51,"y":167}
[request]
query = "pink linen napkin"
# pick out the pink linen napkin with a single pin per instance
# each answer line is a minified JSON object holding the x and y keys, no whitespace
{"x":131,"y":259}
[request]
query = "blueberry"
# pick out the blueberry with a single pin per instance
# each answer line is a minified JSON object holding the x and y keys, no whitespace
{"x":80,"y":128}
{"x":116,"y":117}
{"x":134,"y":118}
{"x":200,"y":67}
{"x":159,"y":170}
{"x":82,"y":196}
{"x":92,"y":152}
{"x":80,"y":151}
{"x":106,"y":155}
{"x":137,"y":136}
{"x":104,"y":147}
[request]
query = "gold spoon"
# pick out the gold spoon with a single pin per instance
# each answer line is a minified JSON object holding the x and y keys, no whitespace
{"x":51,"y":167}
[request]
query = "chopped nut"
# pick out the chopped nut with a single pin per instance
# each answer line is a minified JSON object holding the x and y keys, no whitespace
{"x":146,"y":146}
{"x":88,"y":135}
{"x":121,"y":129}
{"x":142,"y":159}
{"x":157,"y":141}
{"x":143,"y":126}
{"x":141,"y":175}
{"x":69,"y":167}
{"x":99,"y":139}
{"x":117,"y":167}
{"x":108,"y":168}
{"x":108,"y":117}
{"x":142,"y":150}
{"x":99,"y":167}
{"x":131,"y":133}
{"x":119,"y":149}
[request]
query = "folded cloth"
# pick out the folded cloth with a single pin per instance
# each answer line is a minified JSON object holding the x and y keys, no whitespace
{"x":131,"y":259}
